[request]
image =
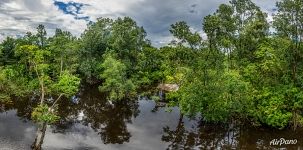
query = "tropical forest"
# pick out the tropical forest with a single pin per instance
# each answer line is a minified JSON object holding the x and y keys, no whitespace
{"x":237,"y":83}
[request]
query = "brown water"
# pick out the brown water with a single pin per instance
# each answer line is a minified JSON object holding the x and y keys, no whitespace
{"x":92,"y":123}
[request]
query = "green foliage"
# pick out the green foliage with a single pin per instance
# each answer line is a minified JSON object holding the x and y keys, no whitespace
{"x":42,"y":69}
{"x":149,"y":68}
{"x":7,"y":54}
{"x":127,"y":39}
{"x":41,"y":36}
{"x":93,"y":44}
{"x":239,"y":72}
{"x":272,"y":106}
{"x":288,"y":20}
{"x":228,"y":91}
{"x":67,"y":84}
{"x":42,"y":113}
{"x":34,"y":56}
{"x":115,"y":79}
{"x":4,"y":98}
{"x":13,"y":82}
{"x":65,"y":52}
{"x":182,"y":31}
{"x":122,"y":36}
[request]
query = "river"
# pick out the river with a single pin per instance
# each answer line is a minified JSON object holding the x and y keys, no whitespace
{"x":89,"y":122}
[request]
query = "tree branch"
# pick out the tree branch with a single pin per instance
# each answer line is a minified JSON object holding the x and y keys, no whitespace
{"x":56,"y":101}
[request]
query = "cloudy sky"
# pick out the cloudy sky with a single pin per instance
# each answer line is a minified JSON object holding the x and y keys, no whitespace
{"x":156,"y":16}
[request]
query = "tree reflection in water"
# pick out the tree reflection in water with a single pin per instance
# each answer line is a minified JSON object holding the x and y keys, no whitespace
{"x":109,"y":119}
{"x":179,"y":138}
{"x":23,"y":106}
{"x":228,"y":136}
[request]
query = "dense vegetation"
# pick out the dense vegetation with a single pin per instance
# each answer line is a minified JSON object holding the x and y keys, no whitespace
{"x":247,"y":69}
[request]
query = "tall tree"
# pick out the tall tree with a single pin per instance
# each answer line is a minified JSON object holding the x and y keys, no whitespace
{"x":289,"y":25}
{"x":115,"y":79}
{"x":127,"y":40}
{"x":182,"y":32}
{"x":64,"y":48}
{"x":94,"y":42}
{"x":7,"y":51}
{"x":41,"y":36}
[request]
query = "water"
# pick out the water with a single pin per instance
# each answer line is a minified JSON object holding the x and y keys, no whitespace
{"x":92,"y":123}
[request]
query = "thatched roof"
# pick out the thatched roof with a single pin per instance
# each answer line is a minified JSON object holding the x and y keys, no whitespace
{"x":168,"y":87}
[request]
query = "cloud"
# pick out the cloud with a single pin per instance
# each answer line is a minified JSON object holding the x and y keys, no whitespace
{"x":21,"y":16}
{"x":156,"y":16}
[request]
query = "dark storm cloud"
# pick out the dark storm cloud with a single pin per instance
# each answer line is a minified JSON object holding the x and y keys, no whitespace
{"x":156,"y":16}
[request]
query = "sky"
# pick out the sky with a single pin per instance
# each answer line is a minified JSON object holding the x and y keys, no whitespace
{"x":20,"y":16}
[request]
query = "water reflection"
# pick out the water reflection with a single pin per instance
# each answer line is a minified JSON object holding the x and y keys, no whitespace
{"x":109,"y":120}
{"x":210,"y":136}
{"x":179,"y":138}
{"x":22,"y":106}
{"x":15,"y":134}
{"x":91,"y":122}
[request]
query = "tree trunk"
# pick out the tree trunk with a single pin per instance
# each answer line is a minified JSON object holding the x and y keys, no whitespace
{"x":37,"y":145}
{"x":42,"y":94}
{"x":295,"y":119}
{"x":61,"y":66}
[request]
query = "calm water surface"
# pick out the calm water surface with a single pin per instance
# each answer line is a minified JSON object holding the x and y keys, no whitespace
{"x":90,"y":122}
